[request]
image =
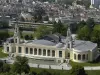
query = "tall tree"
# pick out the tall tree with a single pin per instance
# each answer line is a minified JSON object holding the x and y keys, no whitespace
{"x":21,"y":65}
{"x":96,"y":34}
{"x":84,"y":33}
{"x":6,"y":67}
{"x":90,"y":23}
{"x":77,"y":70}
{"x":59,"y":28}
{"x":42,"y":30}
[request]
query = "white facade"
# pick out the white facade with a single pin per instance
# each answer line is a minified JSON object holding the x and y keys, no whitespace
{"x":65,"y":48}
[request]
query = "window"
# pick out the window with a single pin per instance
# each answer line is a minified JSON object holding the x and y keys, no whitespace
{"x":40,"y":52}
{"x":15,"y":40}
{"x":68,"y":45}
{"x":60,"y":53}
{"x":87,"y":56}
{"x":7,"y":49}
{"x":68,"y":55}
{"x":83,"y":57}
{"x":19,"y":50}
{"x":26,"y":50}
{"x":31,"y":50}
{"x":48,"y":52}
{"x":74,"y":56}
{"x":53,"y":53}
{"x":79,"y":57}
{"x":44,"y":52}
{"x":35,"y":51}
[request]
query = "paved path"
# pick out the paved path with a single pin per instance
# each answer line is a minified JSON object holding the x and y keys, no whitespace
{"x":63,"y":66}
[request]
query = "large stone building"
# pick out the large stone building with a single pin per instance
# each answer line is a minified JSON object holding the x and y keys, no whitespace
{"x":51,"y":48}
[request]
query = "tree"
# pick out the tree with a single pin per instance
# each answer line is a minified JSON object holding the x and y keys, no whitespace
{"x":42,"y":30}
{"x":21,"y":65}
{"x":6,"y":68}
{"x":77,"y":70}
{"x":96,"y":34}
{"x":90,"y":23}
{"x":27,"y":37}
{"x":46,"y":18}
{"x":84,"y":33}
{"x":59,"y":28}
{"x":1,"y":66}
{"x":4,"y":24}
{"x":4,"y":34}
{"x":33,"y":73}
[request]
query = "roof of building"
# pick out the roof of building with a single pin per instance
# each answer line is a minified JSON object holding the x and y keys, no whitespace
{"x":54,"y":38}
{"x":84,"y":45}
{"x":42,"y":42}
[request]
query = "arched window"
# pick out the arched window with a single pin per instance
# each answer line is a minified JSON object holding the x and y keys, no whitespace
{"x":15,"y":40}
{"x":31,"y":50}
{"x":83,"y":57}
{"x":53,"y":53}
{"x":19,"y":49}
{"x":39,"y":51}
{"x":26,"y":50}
{"x":79,"y":57}
{"x":35,"y":51}
{"x":7,"y":49}
{"x":44,"y":52}
{"x":48,"y":52}
{"x":68,"y":45}
{"x":87,"y":56}
{"x":74,"y":56}
{"x":68,"y":55}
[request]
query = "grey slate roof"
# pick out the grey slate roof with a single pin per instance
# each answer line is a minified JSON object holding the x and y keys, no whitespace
{"x":84,"y":45}
{"x":43,"y":42}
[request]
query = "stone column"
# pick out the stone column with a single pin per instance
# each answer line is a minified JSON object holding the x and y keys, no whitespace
{"x":28,"y":50}
{"x":33,"y":51}
{"x":46,"y":52}
{"x":51,"y":53}
{"x":76,"y":56}
{"x":37,"y":51}
{"x":42,"y":52}
{"x":81,"y":57}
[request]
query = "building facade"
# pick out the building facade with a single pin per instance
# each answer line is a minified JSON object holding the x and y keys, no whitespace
{"x":95,"y":3}
{"x":51,"y":48}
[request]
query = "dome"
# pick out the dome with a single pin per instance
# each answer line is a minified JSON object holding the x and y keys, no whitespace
{"x":59,"y":45}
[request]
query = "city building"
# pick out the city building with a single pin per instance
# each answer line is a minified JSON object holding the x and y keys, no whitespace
{"x":95,"y":3}
{"x":51,"y":48}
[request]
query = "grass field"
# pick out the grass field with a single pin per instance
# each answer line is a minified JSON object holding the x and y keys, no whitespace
{"x":2,"y":55}
{"x":63,"y":72}
{"x":85,"y":64}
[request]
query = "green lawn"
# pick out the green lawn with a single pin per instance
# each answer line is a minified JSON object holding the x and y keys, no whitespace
{"x":63,"y":72}
{"x":85,"y":64}
{"x":2,"y":55}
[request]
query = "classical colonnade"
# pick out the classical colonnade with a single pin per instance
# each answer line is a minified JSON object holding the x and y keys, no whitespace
{"x":39,"y":51}
{"x":80,"y":57}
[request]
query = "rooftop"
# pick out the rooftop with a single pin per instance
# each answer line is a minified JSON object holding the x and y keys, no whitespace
{"x":84,"y":45}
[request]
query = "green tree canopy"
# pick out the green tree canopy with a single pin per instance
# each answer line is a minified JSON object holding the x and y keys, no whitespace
{"x":59,"y":28}
{"x":90,"y":23}
{"x":96,"y":34}
{"x":21,"y":65}
{"x":77,"y":70}
{"x":42,"y":30}
{"x":6,"y":67}
{"x":84,"y":33}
